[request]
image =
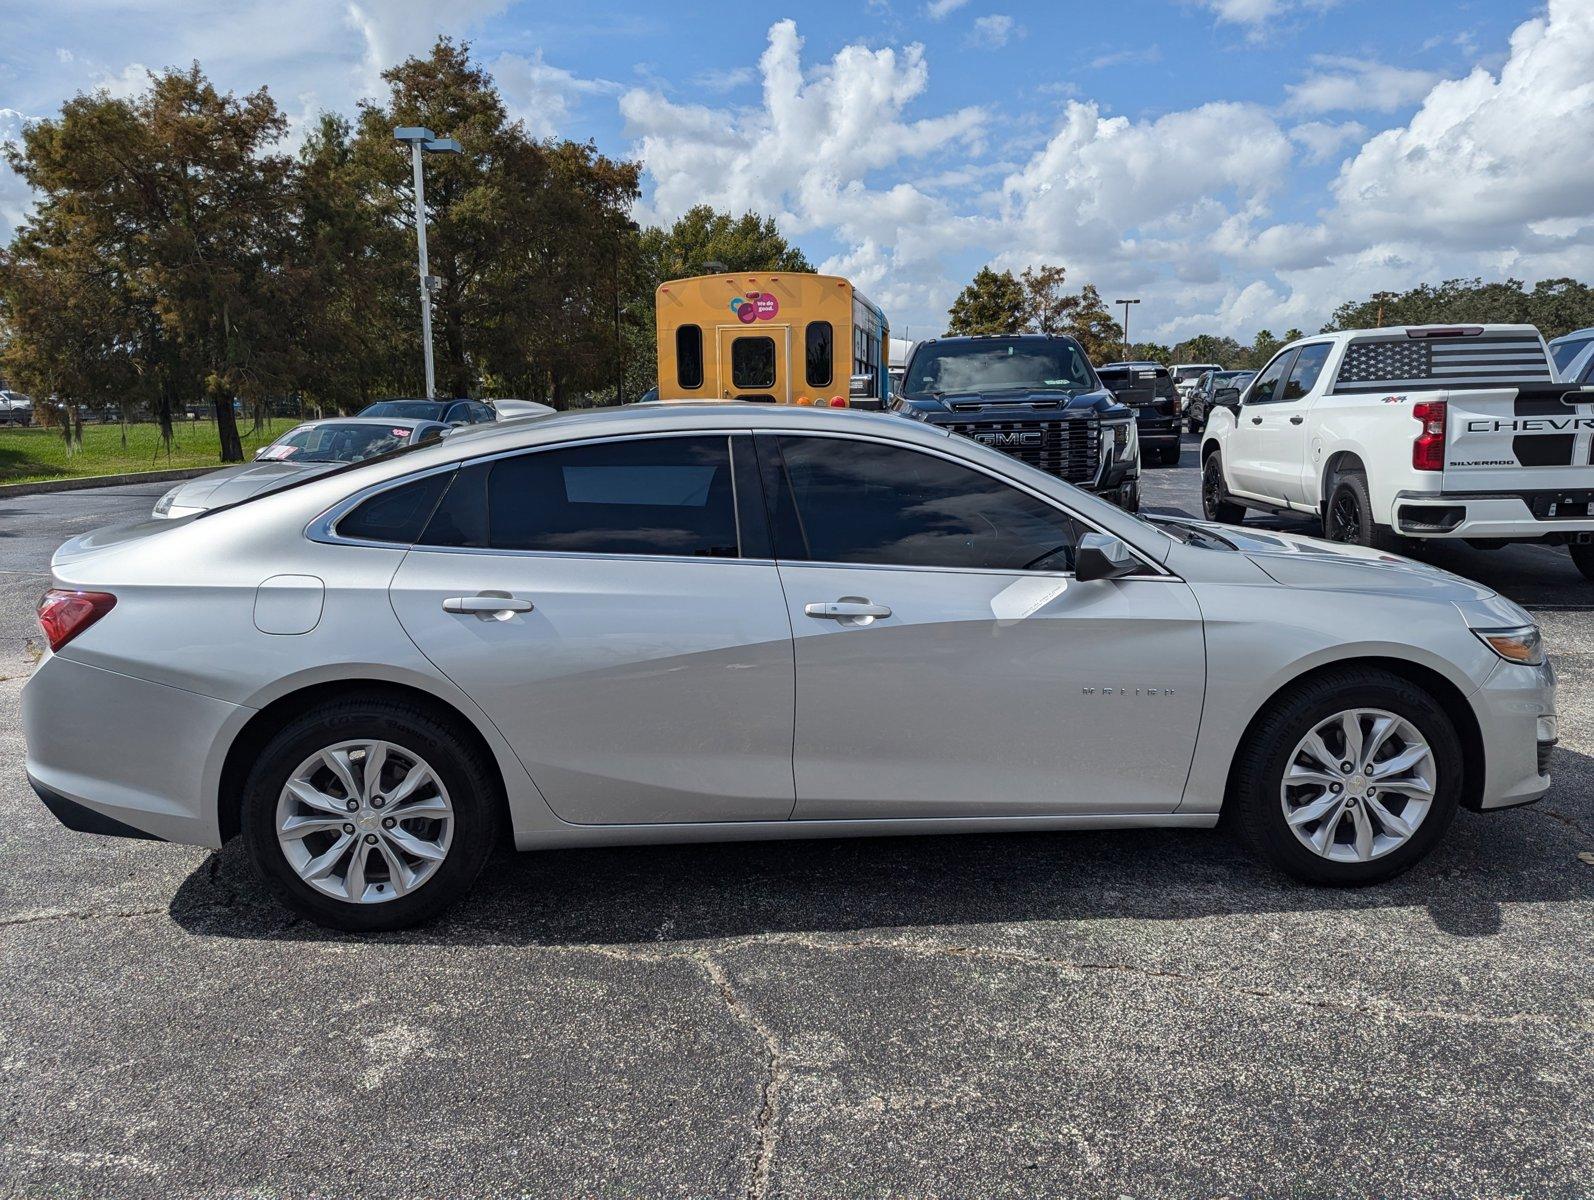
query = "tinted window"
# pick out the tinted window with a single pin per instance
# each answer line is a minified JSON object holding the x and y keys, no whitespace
{"x":753,"y":362}
{"x":1565,"y":352}
{"x":1264,"y":390}
{"x":992,"y":364}
{"x":689,"y":356}
{"x":1308,"y":366}
{"x":398,"y":514}
{"x":849,"y":501}
{"x":821,"y":353}
{"x":648,"y":496}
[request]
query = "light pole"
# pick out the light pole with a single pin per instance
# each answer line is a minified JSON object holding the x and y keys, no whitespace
{"x":1126,"y":304}
{"x":424,"y":141}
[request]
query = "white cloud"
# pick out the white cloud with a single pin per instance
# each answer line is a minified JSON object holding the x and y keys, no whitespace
{"x":1350,"y":84}
{"x":541,"y":95}
{"x":395,"y":29}
{"x":1259,"y":12}
{"x":940,"y":10}
{"x":724,"y":79}
{"x":995,"y":31}
{"x":806,"y":156}
{"x":15,"y":197}
{"x":1322,"y":139}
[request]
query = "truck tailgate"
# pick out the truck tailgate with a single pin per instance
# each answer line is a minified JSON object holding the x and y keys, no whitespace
{"x":1534,"y":437}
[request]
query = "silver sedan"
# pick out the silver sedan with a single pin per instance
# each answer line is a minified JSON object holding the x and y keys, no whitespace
{"x":694,"y":622}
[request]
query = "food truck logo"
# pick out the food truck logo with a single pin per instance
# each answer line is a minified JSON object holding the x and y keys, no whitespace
{"x":755,"y":306}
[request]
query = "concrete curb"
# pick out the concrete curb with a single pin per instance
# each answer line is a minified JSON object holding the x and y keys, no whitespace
{"x":99,"y":481}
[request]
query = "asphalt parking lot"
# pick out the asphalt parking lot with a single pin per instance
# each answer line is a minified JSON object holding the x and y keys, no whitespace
{"x":1110,"y":1014}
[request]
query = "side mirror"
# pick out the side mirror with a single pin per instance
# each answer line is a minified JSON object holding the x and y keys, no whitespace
{"x":1102,"y":557}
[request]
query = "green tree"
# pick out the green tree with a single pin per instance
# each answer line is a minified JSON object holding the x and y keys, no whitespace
{"x":993,"y":302}
{"x":704,"y":242}
{"x":1555,"y":306}
{"x":1263,"y":347}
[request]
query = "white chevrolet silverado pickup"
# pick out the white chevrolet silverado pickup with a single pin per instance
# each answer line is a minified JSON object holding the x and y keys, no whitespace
{"x":1411,"y":432}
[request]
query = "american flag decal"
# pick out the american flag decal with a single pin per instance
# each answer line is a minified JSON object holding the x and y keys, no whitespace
{"x":1425,"y":364}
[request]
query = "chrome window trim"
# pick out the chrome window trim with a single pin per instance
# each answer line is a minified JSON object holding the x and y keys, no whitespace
{"x":323,"y":528}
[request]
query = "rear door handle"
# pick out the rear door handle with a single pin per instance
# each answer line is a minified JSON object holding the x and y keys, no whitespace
{"x":1256,"y":420}
{"x":848,"y":608}
{"x":488,"y":606}
{"x":1296,"y":420}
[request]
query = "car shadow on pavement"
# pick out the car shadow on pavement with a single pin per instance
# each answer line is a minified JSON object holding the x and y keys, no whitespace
{"x":665,"y":894}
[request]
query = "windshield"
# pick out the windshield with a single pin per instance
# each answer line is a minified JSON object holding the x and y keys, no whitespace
{"x":1185,"y":374}
{"x":989,"y":365}
{"x":421,"y":410}
{"x":1565,"y":352}
{"x":335,"y":442}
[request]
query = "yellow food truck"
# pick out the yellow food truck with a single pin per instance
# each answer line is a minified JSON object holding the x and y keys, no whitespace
{"x":780,"y":337}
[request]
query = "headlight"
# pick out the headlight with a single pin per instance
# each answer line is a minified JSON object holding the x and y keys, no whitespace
{"x":1519,"y":645}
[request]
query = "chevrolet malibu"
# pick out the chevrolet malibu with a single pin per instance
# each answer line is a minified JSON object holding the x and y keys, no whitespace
{"x":698,"y":622}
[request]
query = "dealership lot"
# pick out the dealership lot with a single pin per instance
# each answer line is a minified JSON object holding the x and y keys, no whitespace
{"x":1140,"y":1014}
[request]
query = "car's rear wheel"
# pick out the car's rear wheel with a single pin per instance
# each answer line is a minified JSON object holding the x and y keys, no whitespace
{"x":1168,"y":456}
{"x":369,"y":814}
{"x":1349,"y":515}
{"x":1349,"y":779}
{"x":1583,"y":558}
{"x":1215,"y":502}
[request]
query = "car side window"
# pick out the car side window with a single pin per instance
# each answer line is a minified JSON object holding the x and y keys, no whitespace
{"x":397,"y":515}
{"x":648,"y":496}
{"x":1306,"y":371}
{"x":1265,"y":388}
{"x":844,"y":500}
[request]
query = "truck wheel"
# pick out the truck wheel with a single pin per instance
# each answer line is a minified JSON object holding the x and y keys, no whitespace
{"x":1215,"y":502}
{"x":1349,"y":779}
{"x":1349,"y":516}
{"x":1169,"y":457}
{"x":1583,"y":558}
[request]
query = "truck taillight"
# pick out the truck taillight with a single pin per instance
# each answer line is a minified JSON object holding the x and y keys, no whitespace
{"x":63,"y":615}
{"x":1428,"y":451}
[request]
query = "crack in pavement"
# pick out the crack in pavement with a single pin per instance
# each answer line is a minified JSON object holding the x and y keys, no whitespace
{"x":1559,"y":817}
{"x":62,"y":914}
{"x":766,"y":1131}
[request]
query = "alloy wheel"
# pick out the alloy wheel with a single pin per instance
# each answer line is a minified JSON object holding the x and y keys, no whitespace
{"x":1211,"y":488}
{"x":1358,"y":785}
{"x":1345,"y":518}
{"x":364,"y":821}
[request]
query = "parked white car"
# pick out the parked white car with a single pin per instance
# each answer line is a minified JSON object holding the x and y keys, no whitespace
{"x":1411,"y":432}
{"x":1187,"y":375}
{"x":707,"y":622}
{"x":15,"y":409}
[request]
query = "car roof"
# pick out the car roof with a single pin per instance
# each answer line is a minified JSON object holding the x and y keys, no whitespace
{"x":407,"y":421}
{"x":1575,"y":335}
{"x":996,"y":337}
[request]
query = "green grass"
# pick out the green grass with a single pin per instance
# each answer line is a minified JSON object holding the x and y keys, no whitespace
{"x":34,"y":454}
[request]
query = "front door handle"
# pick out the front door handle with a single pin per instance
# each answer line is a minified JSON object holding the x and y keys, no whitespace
{"x":1256,"y":420}
{"x":850,"y":610}
{"x":489,"y":606}
{"x":1296,"y":420}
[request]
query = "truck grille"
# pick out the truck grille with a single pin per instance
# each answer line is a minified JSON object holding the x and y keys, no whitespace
{"x":1067,"y":449}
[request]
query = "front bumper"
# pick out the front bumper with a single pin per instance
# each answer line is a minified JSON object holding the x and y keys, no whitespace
{"x":112,"y":754}
{"x":1516,"y":715}
{"x":1438,"y":515}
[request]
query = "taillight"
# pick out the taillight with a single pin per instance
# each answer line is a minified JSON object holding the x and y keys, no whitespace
{"x":1428,"y":451}
{"x":63,"y":615}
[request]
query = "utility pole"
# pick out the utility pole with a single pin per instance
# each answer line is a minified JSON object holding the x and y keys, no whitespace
{"x":1126,"y":304}
{"x":424,"y":141}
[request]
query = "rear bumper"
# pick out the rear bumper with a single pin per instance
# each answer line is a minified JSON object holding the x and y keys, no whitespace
{"x":1438,"y":515}
{"x":1158,"y":431}
{"x":111,"y":754}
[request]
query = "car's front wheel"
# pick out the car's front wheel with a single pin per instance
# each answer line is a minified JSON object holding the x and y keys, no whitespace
{"x":1349,"y":779}
{"x":1215,"y":502}
{"x":369,"y":814}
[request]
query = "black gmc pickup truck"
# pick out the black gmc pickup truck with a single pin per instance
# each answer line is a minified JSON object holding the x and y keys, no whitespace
{"x":1034,"y":396}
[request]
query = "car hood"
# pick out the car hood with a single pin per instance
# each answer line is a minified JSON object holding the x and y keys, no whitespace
{"x":231,"y":484}
{"x":1306,"y":562}
{"x":1009,"y":404}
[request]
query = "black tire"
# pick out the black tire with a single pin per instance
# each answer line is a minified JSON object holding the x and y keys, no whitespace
{"x":1349,"y":516}
{"x":466,"y":771}
{"x":1583,"y":558}
{"x":1254,"y":808}
{"x":1168,"y":456}
{"x":1215,"y":502}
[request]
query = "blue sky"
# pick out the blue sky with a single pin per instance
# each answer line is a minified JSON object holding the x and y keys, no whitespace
{"x":1235,"y":163}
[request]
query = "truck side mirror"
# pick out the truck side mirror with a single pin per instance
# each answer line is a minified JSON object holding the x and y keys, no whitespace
{"x":1102,"y":557}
